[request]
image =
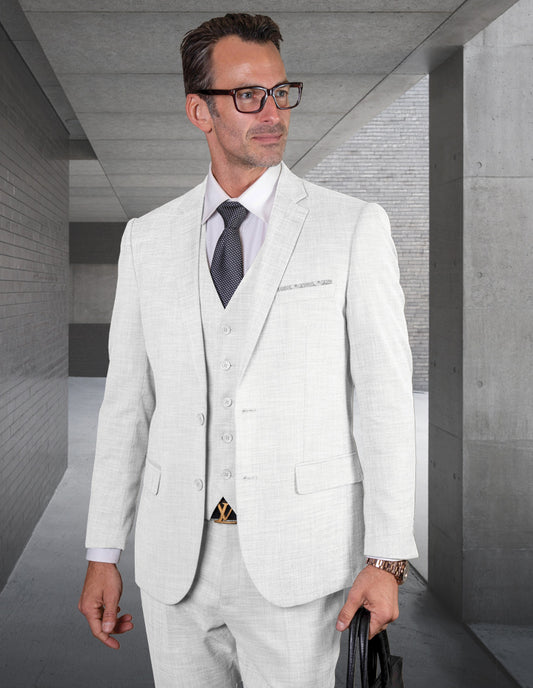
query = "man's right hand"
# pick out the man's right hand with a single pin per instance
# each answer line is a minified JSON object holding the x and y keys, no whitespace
{"x":99,"y":603}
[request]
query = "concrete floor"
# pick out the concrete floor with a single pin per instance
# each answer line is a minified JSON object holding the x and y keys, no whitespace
{"x":44,"y":641}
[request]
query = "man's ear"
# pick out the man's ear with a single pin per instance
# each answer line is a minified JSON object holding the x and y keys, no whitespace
{"x":198,"y":112}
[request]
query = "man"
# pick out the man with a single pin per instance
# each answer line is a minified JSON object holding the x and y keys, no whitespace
{"x":252,"y":315}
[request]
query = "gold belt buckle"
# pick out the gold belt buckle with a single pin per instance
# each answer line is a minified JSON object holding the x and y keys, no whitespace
{"x":224,"y":511}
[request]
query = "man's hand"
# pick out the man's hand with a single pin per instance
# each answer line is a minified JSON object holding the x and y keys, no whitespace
{"x":99,"y":603}
{"x":376,"y":590}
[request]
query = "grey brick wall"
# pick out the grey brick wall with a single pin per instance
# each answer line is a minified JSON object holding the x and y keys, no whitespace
{"x":33,"y":303}
{"x":387,"y":162}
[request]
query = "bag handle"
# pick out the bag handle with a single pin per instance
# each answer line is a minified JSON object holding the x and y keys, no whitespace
{"x":369,"y":652}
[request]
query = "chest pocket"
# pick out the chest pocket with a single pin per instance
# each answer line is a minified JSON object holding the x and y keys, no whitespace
{"x":295,"y":292}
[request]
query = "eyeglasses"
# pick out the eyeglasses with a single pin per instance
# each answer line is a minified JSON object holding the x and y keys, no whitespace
{"x":252,"y":99}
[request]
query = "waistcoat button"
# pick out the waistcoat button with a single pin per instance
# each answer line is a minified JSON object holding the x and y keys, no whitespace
{"x":226,"y":474}
{"x":226,"y":329}
{"x":199,"y":484}
{"x":201,"y":418}
{"x":227,"y":402}
{"x":226,"y":365}
{"x":227,"y":437}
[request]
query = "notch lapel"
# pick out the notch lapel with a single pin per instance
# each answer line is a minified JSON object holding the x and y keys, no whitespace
{"x":286,"y":221}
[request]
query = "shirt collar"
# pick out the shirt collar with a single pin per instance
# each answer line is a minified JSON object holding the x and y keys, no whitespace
{"x":257,"y":199}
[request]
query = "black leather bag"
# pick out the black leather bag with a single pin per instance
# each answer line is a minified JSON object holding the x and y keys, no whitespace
{"x":370,"y":653}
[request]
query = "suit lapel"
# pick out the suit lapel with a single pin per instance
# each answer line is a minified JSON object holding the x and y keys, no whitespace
{"x":186,"y":236}
{"x":286,"y":221}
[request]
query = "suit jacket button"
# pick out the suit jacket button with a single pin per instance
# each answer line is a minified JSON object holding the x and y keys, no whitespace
{"x":199,"y":484}
{"x":201,"y":418}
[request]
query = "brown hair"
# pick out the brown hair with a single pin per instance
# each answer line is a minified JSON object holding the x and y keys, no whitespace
{"x":197,"y":44}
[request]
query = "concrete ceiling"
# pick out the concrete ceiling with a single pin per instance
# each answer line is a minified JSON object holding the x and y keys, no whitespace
{"x":112,"y":70}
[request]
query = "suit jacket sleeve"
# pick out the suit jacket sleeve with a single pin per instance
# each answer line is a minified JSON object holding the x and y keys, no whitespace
{"x":125,"y":414}
{"x":381,"y":370}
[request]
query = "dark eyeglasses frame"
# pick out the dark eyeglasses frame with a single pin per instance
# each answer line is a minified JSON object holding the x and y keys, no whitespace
{"x":267,"y":92}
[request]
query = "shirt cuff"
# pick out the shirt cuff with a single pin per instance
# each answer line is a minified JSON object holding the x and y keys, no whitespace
{"x":373,"y":556}
{"x":106,"y":555}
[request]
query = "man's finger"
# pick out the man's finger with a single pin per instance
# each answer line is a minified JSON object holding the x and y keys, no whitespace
{"x":95,"y":625}
{"x":352,"y":604}
{"x":375,"y":627}
{"x":124,"y":624}
{"x":109,"y":617}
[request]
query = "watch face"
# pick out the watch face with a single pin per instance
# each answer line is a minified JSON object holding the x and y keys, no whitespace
{"x":402,"y":570}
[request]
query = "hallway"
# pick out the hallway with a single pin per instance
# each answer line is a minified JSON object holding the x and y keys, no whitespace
{"x":44,"y":640}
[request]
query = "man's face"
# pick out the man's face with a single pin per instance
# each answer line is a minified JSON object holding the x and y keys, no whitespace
{"x":243,"y":140}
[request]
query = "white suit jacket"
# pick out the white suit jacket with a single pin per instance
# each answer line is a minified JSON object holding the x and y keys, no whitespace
{"x":326,"y":342}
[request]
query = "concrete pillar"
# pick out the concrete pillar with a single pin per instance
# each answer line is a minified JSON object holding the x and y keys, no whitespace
{"x":481,"y":324}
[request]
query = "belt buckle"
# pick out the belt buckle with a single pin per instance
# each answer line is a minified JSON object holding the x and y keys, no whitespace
{"x":224,"y":513}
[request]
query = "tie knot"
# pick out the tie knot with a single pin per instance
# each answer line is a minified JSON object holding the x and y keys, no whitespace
{"x":232,"y":213}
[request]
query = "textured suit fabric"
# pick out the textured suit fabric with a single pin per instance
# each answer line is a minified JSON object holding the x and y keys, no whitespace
{"x":326,"y":342}
{"x":224,"y":630}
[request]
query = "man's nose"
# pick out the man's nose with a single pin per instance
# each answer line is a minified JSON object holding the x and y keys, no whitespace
{"x":270,"y":110}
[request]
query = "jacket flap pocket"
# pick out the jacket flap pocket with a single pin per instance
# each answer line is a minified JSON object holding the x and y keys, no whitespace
{"x":328,"y":473}
{"x":152,"y":476}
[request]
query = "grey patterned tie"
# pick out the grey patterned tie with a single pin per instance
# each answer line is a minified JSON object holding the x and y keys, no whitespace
{"x":226,"y":265}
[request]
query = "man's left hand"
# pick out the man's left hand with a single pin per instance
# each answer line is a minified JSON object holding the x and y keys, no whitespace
{"x":377,"y":590}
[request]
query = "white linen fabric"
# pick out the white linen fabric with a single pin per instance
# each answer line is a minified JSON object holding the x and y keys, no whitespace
{"x":224,"y":630}
{"x":327,"y":332}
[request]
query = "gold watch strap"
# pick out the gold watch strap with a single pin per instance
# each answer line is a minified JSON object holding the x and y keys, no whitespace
{"x":399,"y":569}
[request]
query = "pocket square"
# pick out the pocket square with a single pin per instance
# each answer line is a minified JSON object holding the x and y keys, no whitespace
{"x":301,"y":285}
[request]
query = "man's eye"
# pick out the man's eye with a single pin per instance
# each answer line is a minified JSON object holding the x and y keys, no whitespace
{"x":246,"y":95}
{"x":282,"y":93}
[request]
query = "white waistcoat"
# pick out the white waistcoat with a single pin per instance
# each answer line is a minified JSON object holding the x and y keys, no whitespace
{"x":224,"y":335}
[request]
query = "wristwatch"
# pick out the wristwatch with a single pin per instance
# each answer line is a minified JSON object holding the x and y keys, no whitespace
{"x":398,"y":569}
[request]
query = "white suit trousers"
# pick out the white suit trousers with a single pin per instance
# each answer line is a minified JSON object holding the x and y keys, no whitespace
{"x":224,"y":632}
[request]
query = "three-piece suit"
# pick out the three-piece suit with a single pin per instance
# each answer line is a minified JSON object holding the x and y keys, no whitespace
{"x":296,"y":399}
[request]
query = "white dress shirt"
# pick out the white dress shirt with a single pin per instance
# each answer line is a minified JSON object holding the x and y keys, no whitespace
{"x":258,"y":199}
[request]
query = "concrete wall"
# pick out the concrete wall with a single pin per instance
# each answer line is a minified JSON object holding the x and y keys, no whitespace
{"x":94,"y":250}
{"x":387,"y":161}
{"x":445,"y":472}
{"x":481,"y":351}
{"x":33,"y":303}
